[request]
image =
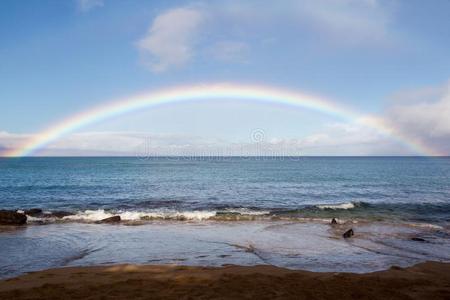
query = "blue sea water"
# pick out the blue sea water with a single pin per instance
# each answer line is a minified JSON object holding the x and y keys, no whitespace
{"x":222,"y":210}
{"x":382,"y":187}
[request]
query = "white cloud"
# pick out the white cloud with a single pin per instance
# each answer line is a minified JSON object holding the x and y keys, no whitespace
{"x":346,"y":21}
{"x":424,"y":114}
{"x":175,"y":36}
{"x":349,"y":139}
{"x":170,"y":39}
{"x":231,"y":51}
{"x":12,"y":140}
{"x":87,"y":5}
{"x":336,"y":139}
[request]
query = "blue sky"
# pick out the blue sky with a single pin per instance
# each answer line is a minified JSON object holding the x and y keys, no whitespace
{"x":388,"y":58}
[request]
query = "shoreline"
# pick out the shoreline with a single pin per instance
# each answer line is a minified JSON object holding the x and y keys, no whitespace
{"x":429,"y":280}
{"x":160,"y":211}
{"x":301,"y":246}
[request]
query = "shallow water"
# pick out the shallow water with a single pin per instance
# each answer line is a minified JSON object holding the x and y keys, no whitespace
{"x":309,"y":246}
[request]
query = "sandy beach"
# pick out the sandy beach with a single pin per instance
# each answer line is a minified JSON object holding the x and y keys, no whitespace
{"x":430,"y":280}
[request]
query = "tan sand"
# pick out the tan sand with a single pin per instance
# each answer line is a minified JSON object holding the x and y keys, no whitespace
{"x":429,"y":280}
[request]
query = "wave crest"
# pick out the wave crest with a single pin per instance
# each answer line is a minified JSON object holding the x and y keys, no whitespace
{"x":348,"y":205}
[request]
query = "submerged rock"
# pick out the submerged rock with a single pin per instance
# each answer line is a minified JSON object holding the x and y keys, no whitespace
{"x":418,"y":239}
{"x":334,"y":222}
{"x":113,"y":219}
{"x":33,"y":212}
{"x":9,"y":217}
{"x":348,"y":234}
{"x":60,"y":214}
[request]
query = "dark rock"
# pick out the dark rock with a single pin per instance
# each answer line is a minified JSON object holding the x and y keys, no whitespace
{"x":9,"y":217}
{"x":226,"y":213}
{"x":349,"y":233}
{"x":33,"y":212}
{"x":181,"y":218}
{"x":418,"y":239}
{"x":334,"y":222}
{"x":60,"y":214}
{"x":113,"y":219}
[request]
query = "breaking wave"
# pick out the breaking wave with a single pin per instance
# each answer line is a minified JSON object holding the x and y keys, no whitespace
{"x":98,"y":215}
{"x":349,"y":205}
{"x":419,"y":213}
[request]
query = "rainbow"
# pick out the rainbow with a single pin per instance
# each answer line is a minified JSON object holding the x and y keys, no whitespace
{"x":212,"y":92}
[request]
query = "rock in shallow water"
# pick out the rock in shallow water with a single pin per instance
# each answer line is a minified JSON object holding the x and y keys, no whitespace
{"x":417,"y":239}
{"x":8,"y":217}
{"x":113,"y":219}
{"x":33,"y":212}
{"x":348,"y":234}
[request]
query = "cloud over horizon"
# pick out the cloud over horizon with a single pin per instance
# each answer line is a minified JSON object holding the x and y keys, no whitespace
{"x":424,"y":114}
{"x":337,"y":139}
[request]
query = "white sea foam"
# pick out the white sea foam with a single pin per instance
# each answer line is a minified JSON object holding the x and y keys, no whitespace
{"x":348,"y":205}
{"x":97,"y":215}
{"x":198,"y":215}
{"x":426,"y":225}
{"x":246,"y":211}
{"x":90,"y":215}
{"x":33,"y":219}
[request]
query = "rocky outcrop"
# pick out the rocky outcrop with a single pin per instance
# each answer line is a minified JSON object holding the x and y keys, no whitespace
{"x":33,"y":212}
{"x":114,"y":219}
{"x":9,"y":217}
{"x":348,"y":234}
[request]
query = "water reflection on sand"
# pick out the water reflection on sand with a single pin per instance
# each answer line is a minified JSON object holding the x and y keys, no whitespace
{"x":310,"y":246}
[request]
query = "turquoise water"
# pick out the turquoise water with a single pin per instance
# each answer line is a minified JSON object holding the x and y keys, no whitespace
{"x":412,"y":188}
{"x":215,"y":211}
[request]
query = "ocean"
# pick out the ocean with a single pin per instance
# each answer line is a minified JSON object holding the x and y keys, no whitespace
{"x":227,"y":210}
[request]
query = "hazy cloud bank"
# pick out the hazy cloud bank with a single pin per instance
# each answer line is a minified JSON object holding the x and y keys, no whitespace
{"x":423,"y":114}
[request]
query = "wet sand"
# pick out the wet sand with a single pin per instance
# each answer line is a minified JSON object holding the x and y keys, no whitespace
{"x":430,"y":280}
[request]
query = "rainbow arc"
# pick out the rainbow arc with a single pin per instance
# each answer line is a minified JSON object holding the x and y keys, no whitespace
{"x":212,"y":92}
